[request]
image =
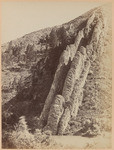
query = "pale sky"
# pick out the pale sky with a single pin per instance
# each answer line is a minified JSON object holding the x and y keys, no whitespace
{"x":22,"y":17}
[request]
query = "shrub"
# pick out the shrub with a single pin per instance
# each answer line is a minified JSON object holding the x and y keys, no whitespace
{"x":90,"y":128}
{"x":53,"y":38}
{"x":62,"y":34}
{"x":22,"y":138}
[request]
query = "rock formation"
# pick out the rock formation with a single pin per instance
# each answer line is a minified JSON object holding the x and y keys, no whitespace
{"x":49,"y":79}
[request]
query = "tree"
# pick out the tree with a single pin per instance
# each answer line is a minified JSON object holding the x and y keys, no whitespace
{"x":63,"y":37}
{"x":53,"y":38}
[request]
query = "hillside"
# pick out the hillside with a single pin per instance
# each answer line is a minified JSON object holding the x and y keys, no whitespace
{"x":57,"y":81}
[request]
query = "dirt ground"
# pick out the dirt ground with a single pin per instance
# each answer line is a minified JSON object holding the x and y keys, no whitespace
{"x":101,"y":141}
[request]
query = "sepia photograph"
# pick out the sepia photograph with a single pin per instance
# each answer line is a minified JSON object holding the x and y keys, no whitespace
{"x":56,"y":74}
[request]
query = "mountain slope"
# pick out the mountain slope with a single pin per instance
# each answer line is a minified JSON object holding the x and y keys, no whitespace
{"x":60,"y":78}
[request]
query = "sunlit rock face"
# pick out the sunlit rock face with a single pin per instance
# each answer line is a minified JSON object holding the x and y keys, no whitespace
{"x":58,"y":74}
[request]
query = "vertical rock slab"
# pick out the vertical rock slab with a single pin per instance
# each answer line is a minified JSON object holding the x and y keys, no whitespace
{"x":96,"y":33}
{"x":73,"y":73}
{"x":55,"y":113}
{"x":77,"y":103}
{"x":64,"y":121}
{"x":79,"y":36}
{"x":77,"y":93}
{"x":88,"y":25}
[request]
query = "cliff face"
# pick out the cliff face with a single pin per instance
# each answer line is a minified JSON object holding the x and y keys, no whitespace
{"x":58,"y":74}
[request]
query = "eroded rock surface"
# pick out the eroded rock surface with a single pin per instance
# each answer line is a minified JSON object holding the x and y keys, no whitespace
{"x":50,"y":73}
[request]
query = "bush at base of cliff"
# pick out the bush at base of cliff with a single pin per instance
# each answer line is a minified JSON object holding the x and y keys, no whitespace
{"x":22,"y":138}
{"x":89,"y":128}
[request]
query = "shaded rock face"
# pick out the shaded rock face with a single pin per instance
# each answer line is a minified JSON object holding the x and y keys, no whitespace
{"x":46,"y":73}
{"x":55,"y":113}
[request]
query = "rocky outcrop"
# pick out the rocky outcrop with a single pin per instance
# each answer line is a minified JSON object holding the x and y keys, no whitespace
{"x":64,"y":121}
{"x":66,"y":57}
{"x":88,"y":25}
{"x":75,"y":99}
{"x":55,"y":87}
{"x":50,"y":78}
{"x":81,"y":58}
{"x":55,"y":113}
{"x":73,"y":74}
{"x":77,"y":93}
